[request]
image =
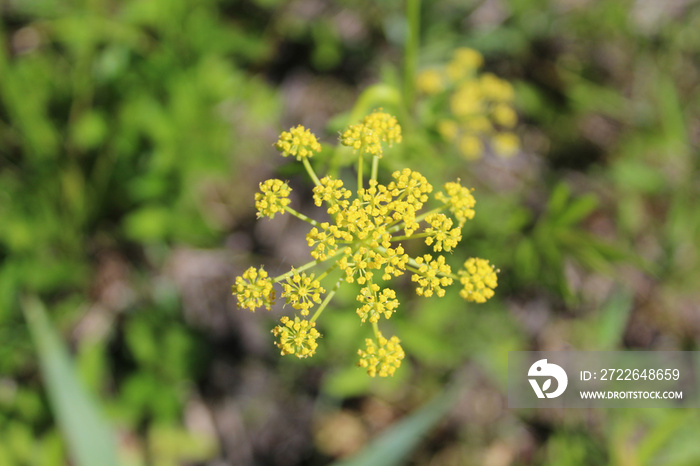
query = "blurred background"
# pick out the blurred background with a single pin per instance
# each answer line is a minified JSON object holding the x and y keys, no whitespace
{"x":133,"y":136}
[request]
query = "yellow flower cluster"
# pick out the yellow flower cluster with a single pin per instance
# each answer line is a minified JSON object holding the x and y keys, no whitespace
{"x":332,"y":192}
{"x":254,"y":289}
{"x":432,"y":276}
{"x":367,"y":136}
{"x":441,"y":234}
{"x":298,"y":142}
{"x":479,"y":105}
{"x":382,"y":357}
{"x":376,"y":303}
{"x":272,"y":198}
{"x":302,"y":291}
{"x":361,"y":242}
{"x":479,"y":279}
{"x":297,"y":337}
{"x":459,"y":200}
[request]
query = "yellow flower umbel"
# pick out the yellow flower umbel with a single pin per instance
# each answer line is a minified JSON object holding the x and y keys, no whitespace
{"x":272,"y":198}
{"x":478,"y":106}
{"x":297,"y":337}
{"x":302,"y":291}
{"x":254,"y":289}
{"x":382,"y":357}
{"x":298,"y":142}
{"x":479,"y":280}
{"x":362,"y":242}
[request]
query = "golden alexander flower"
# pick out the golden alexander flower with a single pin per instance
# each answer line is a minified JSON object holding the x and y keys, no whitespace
{"x":376,"y":303}
{"x":441,"y":234}
{"x":297,"y":337}
{"x":479,"y":279}
{"x":254,"y":289}
{"x":367,"y":137}
{"x":432,"y":276}
{"x":459,"y":200}
{"x":478,"y":106}
{"x":382,"y":357}
{"x":298,"y":142}
{"x":302,"y":291}
{"x":361,"y":242}
{"x":272,"y":198}
{"x":430,"y":82}
{"x":506,"y":144}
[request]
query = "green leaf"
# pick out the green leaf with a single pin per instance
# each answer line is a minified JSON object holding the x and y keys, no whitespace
{"x":89,"y":437}
{"x":577,"y":211}
{"x":394,"y":446}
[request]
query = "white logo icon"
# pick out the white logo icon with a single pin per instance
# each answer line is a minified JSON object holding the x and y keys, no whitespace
{"x":543,"y":369}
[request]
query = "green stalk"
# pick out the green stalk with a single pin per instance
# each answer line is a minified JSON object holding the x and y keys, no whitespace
{"x":375,"y":329}
{"x":308,"y":265}
{"x":310,"y":171}
{"x":375,"y":167}
{"x":327,"y":300}
{"x":359,"y":171}
{"x":411,"y":51}
{"x":301,"y":216}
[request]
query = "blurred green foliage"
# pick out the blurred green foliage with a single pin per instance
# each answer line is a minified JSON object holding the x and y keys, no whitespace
{"x":118,"y":124}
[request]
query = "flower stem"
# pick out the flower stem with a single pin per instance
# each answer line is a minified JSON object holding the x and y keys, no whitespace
{"x":310,"y":171}
{"x":411,"y":51}
{"x":308,"y":265}
{"x":359,"y":171}
{"x":327,"y":271}
{"x":375,"y":329}
{"x":301,"y":216}
{"x":375,"y":167}
{"x":419,"y":235}
{"x":327,"y":300}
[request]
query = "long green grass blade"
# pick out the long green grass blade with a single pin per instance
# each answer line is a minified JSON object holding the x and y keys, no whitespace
{"x":89,"y":437}
{"x":394,"y":447}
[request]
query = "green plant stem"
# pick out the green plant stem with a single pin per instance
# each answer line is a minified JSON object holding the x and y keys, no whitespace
{"x":419,"y":235}
{"x":301,"y":216}
{"x":308,"y":265}
{"x":327,"y":271}
{"x":327,"y":300}
{"x":310,"y":171}
{"x":375,"y":167}
{"x":375,"y":329}
{"x":411,"y":51}
{"x":360,"y":162}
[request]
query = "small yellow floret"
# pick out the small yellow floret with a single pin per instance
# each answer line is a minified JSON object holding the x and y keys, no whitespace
{"x":506,"y":144}
{"x":298,"y":142}
{"x":376,"y":303}
{"x":254,"y":289}
{"x":375,"y":128}
{"x":495,"y":88}
{"x":381,"y":358}
{"x":430,"y":82}
{"x":470,"y":147}
{"x":272,"y":198}
{"x":464,"y":63}
{"x":432,"y":276}
{"x":504,"y":115}
{"x":297,"y":337}
{"x":441,"y":234}
{"x":478,"y":279}
{"x":448,"y":129}
{"x":459,"y":200}
{"x":302,"y":291}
